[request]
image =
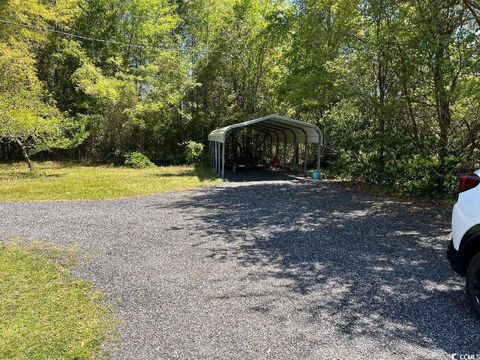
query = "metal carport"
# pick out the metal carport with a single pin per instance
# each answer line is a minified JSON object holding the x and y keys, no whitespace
{"x":285,"y":130}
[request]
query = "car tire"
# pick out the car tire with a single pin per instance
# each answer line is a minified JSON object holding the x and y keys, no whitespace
{"x":473,"y":284}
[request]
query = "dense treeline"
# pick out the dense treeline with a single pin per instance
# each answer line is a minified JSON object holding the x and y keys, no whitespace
{"x":394,"y":84}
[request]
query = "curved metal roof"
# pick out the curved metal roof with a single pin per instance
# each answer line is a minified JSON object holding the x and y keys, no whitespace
{"x":283,"y":128}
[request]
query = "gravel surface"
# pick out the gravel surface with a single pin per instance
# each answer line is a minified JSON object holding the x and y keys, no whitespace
{"x":265,"y":270}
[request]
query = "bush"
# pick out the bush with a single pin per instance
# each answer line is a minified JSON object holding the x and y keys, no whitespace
{"x":193,"y":151}
{"x":137,"y":160}
{"x":427,"y":175}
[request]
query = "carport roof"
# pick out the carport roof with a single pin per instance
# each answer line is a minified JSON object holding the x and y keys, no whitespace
{"x":286,"y":129}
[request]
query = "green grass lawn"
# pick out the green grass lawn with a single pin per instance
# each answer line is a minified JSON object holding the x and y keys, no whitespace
{"x":44,"y":312}
{"x":67,"y":181}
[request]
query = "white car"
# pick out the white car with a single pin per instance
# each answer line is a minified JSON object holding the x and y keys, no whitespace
{"x":464,"y":250}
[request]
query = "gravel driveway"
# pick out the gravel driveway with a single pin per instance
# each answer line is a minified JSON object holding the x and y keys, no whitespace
{"x":265,"y":270}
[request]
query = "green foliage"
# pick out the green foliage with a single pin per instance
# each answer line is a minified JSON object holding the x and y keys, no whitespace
{"x":28,"y":114}
{"x":135,"y":88}
{"x":424,"y":175}
{"x":193,"y":151}
{"x":115,"y":99}
{"x":391,"y":83}
{"x":137,"y":160}
{"x":239,"y":59}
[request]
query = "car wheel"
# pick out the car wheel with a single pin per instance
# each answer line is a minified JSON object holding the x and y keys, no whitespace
{"x":473,"y":283}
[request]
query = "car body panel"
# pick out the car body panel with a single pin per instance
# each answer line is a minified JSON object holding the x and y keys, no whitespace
{"x":466,"y":213}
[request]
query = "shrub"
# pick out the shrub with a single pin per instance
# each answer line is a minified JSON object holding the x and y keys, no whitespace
{"x":137,"y":160}
{"x":193,"y":151}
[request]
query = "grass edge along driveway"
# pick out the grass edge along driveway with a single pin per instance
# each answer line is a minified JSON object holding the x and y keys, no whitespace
{"x":45,"y":313}
{"x":70,"y":181}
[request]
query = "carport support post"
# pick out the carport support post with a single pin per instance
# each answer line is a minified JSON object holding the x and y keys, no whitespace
{"x":318,"y":157}
{"x":219,"y":158}
{"x":306,"y":159}
{"x":223,"y":159}
{"x":277,"y":147}
{"x":271,"y":148}
{"x":216,"y":157}
{"x":212,"y":146}
{"x":294,"y":147}
{"x":296,"y":154}
{"x":212,"y":158}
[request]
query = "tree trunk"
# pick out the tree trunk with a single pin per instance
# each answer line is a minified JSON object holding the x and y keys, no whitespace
{"x":408,"y":99}
{"x":25,"y":154}
{"x":381,"y":111}
{"x":382,"y":87}
{"x":474,"y":9}
{"x":443,"y":113}
{"x":443,"y":105}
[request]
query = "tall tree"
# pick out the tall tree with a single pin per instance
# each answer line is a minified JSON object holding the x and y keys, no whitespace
{"x":237,"y":52}
{"x":28,"y":115}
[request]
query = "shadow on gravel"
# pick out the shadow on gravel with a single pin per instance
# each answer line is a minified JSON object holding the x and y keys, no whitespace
{"x":370,"y":267}
{"x":251,"y":175}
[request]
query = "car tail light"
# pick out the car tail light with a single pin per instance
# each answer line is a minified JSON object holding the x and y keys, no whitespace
{"x":468,"y":182}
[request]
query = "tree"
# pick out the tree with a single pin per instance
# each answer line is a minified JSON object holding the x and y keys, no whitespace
{"x":391,"y":83}
{"x":474,"y":7}
{"x":26,"y":115}
{"x":130,"y":83}
{"x":237,"y":47}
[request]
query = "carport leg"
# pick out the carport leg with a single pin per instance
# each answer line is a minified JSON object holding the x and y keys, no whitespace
{"x":212,"y":154}
{"x":277,"y":147}
{"x":306,"y":159}
{"x":271,"y":148}
{"x":295,"y":156}
{"x":318,"y":157}
{"x":223,"y":160}
{"x":216,"y":157}
{"x":219,"y":158}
